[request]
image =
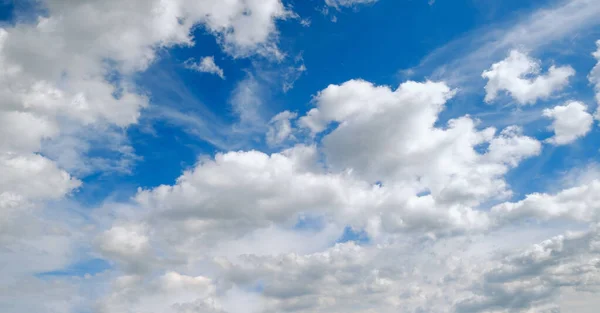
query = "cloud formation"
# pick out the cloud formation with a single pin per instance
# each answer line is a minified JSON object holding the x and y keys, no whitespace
{"x":206,"y":65}
{"x":521,"y":77}
{"x":570,"y":121}
{"x":373,"y":199}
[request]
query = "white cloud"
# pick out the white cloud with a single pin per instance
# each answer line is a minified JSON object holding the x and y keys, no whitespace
{"x":224,"y":237}
{"x":461,"y":61}
{"x":533,"y":280}
{"x":594,"y":76}
{"x":170,"y":293}
{"x":57,"y":86}
{"x":472,"y":274}
{"x":389,"y":136}
{"x":433,"y":191}
{"x":206,"y":65}
{"x":129,"y":244}
{"x":570,"y":121}
{"x":280,"y":128}
{"x":520,"y":76}
{"x":34,"y":177}
{"x":579,"y":203}
{"x":56,"y":68}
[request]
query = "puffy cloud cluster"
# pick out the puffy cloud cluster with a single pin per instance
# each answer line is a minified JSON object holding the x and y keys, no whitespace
{"x":247,"y":231}
{"x":531,"y":281}
{"x":417,"y":179}
{"x":390,"y":136}
{"x":169,"y":293}
{"x":519,"y":75}
{"x":579,"y":203}
{"x":570,"y":121}
{"x":67,"y":76}
{"x":57,"y":70}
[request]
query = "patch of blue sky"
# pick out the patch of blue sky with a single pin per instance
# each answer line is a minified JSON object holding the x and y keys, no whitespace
{"x":79,"y":269}
{"x":359,"y":237}
{"x":309,"y":223}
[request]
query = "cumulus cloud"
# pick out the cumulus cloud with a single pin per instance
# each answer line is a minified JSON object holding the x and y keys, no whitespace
{"x":532,"y":280}
{"x":248,"y":231}
{"x":170,"y":293}
{"x":418,"y":191}
{"x":58,"y":85}
{"x":570,"y":121}
{"x":389,"y":136}
{"x":520,"y":76}
{"x":56,"y":70}
{"x":579,"y":203}
{"x":206,"y":65}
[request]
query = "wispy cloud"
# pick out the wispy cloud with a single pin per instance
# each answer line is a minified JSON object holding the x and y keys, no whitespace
{"x":206,"y":65}
{"x":481,"y":48}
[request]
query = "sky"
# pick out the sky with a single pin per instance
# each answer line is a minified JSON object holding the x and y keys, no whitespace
{"x":274,"y":156}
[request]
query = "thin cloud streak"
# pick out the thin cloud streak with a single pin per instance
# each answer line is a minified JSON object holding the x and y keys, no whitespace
{"x":482,"y":47}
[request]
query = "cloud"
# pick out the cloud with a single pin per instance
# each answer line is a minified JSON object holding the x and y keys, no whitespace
{"x":594,"y":75}
{"x":532,"y":280}
{"x":128,"y":244}
{"x":347,"y":3}
{"x":230,"y":233}
{"x":416,"y":192}
{"x":570,"y":121}
{"x":516,"y":76}
{"x":206,"y":65}
{"x":170,"y":293}
{"x":579,"y":203}
{"x":68,"y":87}
{"x":280,"y":128}
{"x":247,"y":103}
{"x":292,"y":74}
{"x":460,"y":62}
{"x":450,"y":275}
{"x":389,"y":136}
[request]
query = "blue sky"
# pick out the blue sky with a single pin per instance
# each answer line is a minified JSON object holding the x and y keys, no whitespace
{"x":342,"y":155}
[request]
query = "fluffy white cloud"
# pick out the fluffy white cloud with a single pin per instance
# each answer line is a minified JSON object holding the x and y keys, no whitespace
{"x":56,"y":70}
{"x":451,"y":275}
{"x":170,"y":293}
{"x":206,"y":65}
{"x":519,"y":75}
{"x":349,"y":278}
{"x":570,"y":121}
{"x":67,"y":74}
{"x":428,"y":178}
{"x":580,"y":203}
{"x":34,"y":177}
{"x":246,"y":231}
{"x":237,"y":201}
{"x":389,"y":136}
